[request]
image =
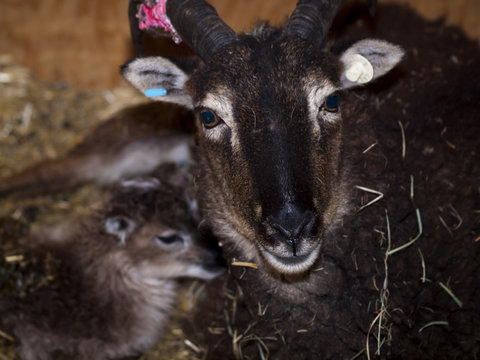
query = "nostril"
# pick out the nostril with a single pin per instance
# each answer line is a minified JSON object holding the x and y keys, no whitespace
{"x":291,"y":226}
{"x":283,"y":231}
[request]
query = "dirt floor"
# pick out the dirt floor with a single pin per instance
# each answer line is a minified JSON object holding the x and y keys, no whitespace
{"x":413,"y":138}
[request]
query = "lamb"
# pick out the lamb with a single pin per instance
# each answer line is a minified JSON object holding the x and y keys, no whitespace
{"x":133,"y":142}
{"x":118,"y":276}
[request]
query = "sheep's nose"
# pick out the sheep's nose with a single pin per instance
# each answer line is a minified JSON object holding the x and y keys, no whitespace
{"x":290,"y":225}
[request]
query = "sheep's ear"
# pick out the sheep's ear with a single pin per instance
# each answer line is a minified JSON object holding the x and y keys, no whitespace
{"x":159,"y":78}
{"x":367,"y":60}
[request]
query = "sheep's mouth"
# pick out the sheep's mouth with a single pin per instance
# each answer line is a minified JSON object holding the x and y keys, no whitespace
{"x":290,"y":264}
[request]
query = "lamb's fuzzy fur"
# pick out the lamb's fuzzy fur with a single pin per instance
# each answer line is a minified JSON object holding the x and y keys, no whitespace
{"x":117,"y":284}
{"x":133,"y":142}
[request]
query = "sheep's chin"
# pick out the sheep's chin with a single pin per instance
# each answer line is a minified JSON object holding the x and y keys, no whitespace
{"x":292,"y":265}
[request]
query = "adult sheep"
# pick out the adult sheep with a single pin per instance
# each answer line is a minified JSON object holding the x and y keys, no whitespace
{"x":269,"y":125}
{"x":411,"y":140}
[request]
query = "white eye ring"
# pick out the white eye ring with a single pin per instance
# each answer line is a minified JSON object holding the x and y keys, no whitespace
{"x":119,"y":226}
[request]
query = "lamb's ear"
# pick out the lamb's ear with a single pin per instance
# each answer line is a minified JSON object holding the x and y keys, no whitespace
{"x":367,"y":60}
{"x":158,"y":78}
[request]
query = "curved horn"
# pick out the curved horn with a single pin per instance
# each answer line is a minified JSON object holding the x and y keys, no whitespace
{"x":199,"y":25}
{"x":311,"y":19}
{"x":135,"y":32}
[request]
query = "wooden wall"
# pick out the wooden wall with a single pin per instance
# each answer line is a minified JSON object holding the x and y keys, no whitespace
{"x":84,"y":41}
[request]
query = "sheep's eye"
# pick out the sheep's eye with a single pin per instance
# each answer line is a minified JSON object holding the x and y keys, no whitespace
{"x":209,"y":118}
{"x":169,"y":239}
{"x":331,"y":103}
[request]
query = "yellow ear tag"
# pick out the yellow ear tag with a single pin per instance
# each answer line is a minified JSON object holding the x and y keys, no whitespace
{"x":360,"y":70}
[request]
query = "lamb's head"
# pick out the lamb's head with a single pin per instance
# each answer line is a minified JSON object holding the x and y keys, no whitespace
{"x":269,"y":124}
{"x":157,"y":233}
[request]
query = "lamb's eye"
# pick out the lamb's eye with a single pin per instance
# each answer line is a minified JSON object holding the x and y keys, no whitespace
{"x":331,"y":103}
{"x":117,"y":224}
{"x":169,"y":239}
{"x":209,"y":118}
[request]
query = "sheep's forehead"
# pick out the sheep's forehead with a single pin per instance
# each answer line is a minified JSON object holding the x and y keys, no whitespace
{"x":285,"y":60}
{"x":265,"y":76}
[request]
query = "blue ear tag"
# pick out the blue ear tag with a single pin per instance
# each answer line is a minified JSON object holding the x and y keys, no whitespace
{"x":155,"y":92}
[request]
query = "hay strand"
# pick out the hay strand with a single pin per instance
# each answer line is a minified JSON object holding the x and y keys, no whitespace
{"x":412,"y":241}
{"x":433,"y":323}
{"x":6,"y":336}
{"x":367,"y":346}
{"x":369,"y":148}
{"x":371,"y":191}
{"x":452,"y":295}
{"x":192,"y":346}
{"x":245,"y":264}
{"x":383,"y":298}
{"x":358,"y":354}
{"x":423,"y":278}
{"x":412,"y":192}
{"x":404,"y":145}
{"x":14,"y":258}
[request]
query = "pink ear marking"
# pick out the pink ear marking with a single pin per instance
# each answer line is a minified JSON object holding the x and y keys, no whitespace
{"x":156,"y":16}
